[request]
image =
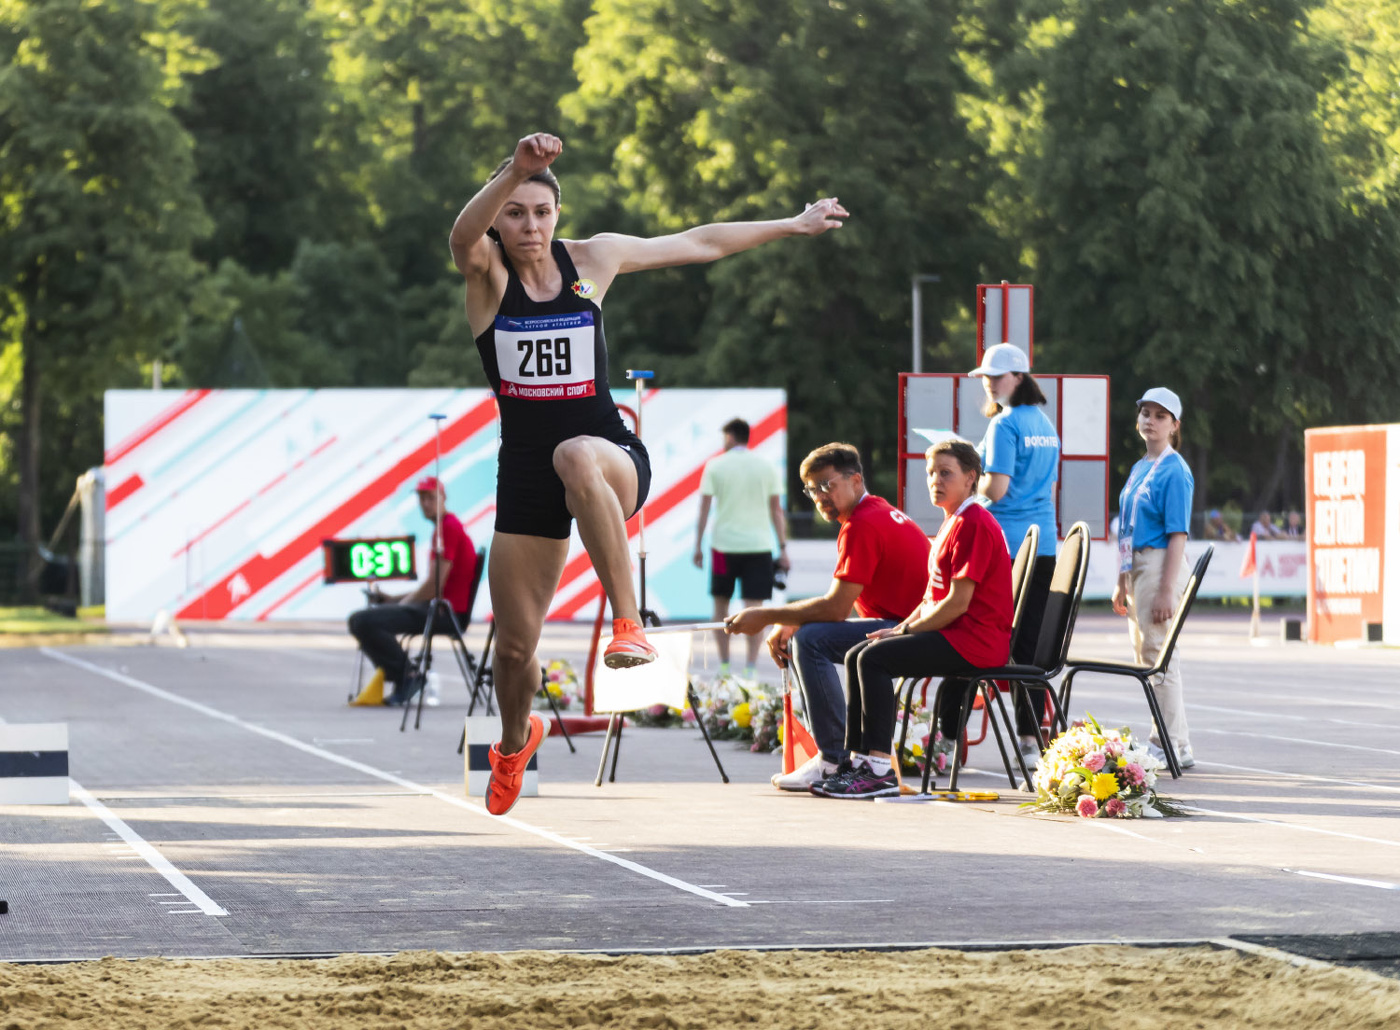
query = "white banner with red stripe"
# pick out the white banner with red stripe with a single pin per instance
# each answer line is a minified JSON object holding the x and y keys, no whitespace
{"x":218,"y":500}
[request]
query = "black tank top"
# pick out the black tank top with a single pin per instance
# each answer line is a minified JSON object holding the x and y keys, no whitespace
{"x":547,"y":361}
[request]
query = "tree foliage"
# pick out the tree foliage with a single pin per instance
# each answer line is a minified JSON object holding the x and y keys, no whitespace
{"x":98,"y":214}
{"x":1202,"y":192}
{"x":1187,"y":215}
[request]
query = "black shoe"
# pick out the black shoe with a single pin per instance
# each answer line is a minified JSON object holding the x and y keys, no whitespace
{"x":405,"y":692}
{"x":844,"y":772}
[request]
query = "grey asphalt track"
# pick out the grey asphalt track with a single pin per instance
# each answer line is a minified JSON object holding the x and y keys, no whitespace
{"x":228,"y":802}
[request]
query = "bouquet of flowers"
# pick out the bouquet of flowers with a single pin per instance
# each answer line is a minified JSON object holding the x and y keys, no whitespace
{"x":924,"y":742}
{"x":1099,"y":773}
{"x":734,"y":712}
{"x":561,"y":683}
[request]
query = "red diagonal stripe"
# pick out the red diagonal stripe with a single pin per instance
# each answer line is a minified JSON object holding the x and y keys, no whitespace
{"x":154,"y":426}
{"x":123,"y":490}
{"x":654,"y":509}
{"x":260,"y":570}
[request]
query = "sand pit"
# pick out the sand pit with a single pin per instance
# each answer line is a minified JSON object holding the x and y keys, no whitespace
{"x":1072,"y":988}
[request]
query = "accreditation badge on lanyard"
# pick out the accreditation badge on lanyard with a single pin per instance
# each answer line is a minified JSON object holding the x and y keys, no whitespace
{"x":1127,"y":519}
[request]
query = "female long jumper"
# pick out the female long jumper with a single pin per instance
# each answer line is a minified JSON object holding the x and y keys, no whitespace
{"x":534,"y":306}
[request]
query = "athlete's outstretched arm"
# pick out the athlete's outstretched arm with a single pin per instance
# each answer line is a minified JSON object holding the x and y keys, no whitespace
{"x":704,"y":243}
{"x":470,"y":246}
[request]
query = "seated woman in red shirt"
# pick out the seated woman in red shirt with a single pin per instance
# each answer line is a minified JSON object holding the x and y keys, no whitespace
{"x":963,"y":624}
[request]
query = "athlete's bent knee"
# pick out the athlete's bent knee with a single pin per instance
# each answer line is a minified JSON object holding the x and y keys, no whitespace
{"x":576,"y":464}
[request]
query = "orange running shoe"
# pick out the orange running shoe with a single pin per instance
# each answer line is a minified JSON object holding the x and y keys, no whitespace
{"x":628,"y":647}
{"x":508,"y":771}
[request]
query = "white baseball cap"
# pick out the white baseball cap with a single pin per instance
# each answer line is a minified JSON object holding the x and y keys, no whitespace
{"x":1166,"y":398}
{"x":1001,"y":359}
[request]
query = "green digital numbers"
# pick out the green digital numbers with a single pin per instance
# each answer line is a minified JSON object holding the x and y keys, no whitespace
{"x":380,"y":559}
{"x":359,"y":560}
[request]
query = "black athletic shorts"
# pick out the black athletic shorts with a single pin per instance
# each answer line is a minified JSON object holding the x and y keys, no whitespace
{"x":530,"y":494}
{"x":752,"y":569}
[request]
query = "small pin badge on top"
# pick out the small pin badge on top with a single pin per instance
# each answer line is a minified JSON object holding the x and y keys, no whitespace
{"x":584,"y":288}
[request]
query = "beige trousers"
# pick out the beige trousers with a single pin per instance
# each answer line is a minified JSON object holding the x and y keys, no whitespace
{"x":1149,"y":568}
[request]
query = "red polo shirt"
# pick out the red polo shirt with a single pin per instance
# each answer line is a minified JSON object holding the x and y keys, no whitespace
{"x":882,"y":549}
{"x":461,"y":552}
{"x":971,"y":545}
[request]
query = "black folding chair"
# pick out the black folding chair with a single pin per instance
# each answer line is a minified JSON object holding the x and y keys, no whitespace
{"x":1022,"y":568}
{"x":1051,"y":648}
{"x":1145,"y":674}
{"x":478,"y":685}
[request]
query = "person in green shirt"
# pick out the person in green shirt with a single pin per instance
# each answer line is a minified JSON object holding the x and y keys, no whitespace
{"x":746,"y":493}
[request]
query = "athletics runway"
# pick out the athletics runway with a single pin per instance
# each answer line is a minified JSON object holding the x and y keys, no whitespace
{"x":226,"y":802}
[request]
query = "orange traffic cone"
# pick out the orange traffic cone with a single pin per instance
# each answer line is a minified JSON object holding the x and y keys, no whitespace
{"x":798,"y":745}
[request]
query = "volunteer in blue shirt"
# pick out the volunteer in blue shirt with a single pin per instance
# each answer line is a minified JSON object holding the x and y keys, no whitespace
{"x":1021,"y":462}
{"x":1154,"y":516}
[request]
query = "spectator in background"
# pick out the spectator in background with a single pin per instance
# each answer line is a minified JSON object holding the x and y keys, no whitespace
{"x":1020,"y":463}
{"x":1264,"y":527}
{"x":881,"y":569}
{"x":746,"y":495}
{"x":1155,"y":508}
{"x":1216,"y":527}
{"x":377,"y":628}
{"x":1293,"y":530}
{"x":962,"y":624}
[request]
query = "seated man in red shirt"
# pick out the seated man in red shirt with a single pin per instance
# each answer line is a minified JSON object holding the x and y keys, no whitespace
{"x":881,"y":557}
{"x":962,"y":625}
{"x":378,"y":628}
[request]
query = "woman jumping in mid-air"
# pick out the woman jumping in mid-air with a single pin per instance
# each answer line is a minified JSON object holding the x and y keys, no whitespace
{"x":534,"y":306}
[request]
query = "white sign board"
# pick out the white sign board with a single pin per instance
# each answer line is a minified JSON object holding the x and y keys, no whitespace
{"x":662,"y":682}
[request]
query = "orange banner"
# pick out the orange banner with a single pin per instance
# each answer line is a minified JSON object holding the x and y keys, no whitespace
{"x":1346,"y":485}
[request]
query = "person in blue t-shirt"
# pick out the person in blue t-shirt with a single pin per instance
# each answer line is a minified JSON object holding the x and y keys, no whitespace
{"x":1154,"y":517}
{"x":1021,"y":461}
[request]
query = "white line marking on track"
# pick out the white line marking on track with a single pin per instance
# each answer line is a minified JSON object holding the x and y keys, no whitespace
{"x":1292,"y":826}
{"x":389,"y":777}
{"x":153,"y":858}
{"x":1305,"y":740}
{"x":1248,"y":948}
{"x":1278,"y":716}
{"x":1295,"y":776}
{"x":1382,"y":884}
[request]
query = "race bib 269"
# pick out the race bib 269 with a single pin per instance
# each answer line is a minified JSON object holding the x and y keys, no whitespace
{"x":546,"y":357}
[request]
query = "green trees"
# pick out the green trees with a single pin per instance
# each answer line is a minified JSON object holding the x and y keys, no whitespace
{"x":98,"y":220}
{"x":258,"y":192}
{"x":724,"y":110}
{"x":1189,"y":228}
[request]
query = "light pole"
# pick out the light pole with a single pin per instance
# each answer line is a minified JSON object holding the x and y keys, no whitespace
{"x":916,"y":283}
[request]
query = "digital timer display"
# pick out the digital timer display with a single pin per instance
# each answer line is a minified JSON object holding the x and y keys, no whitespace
{"x":358,"y":561}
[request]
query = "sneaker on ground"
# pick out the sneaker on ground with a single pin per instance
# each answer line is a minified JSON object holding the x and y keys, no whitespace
{"x":806,"y":774}
{"x":1184,"y":757}
{"x":1030,"y":754}
{"x":844,"y":771}
{"x":405,"y":691}
{"x":628,"y":646}
{"x":864,"y":784}
{"x":508,"y":771}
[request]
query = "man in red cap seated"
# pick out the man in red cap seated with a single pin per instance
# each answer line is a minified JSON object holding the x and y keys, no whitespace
{"x":379,"y":627}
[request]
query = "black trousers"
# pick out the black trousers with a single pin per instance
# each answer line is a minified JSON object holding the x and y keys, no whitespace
{"x":378,"y":628}
{"x":1032,"y":707}
{"x":871,"y":669}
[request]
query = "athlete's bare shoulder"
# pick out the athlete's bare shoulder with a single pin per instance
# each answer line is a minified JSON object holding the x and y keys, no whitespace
{"x":485,"y":286}
{"x":596,"y":261}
